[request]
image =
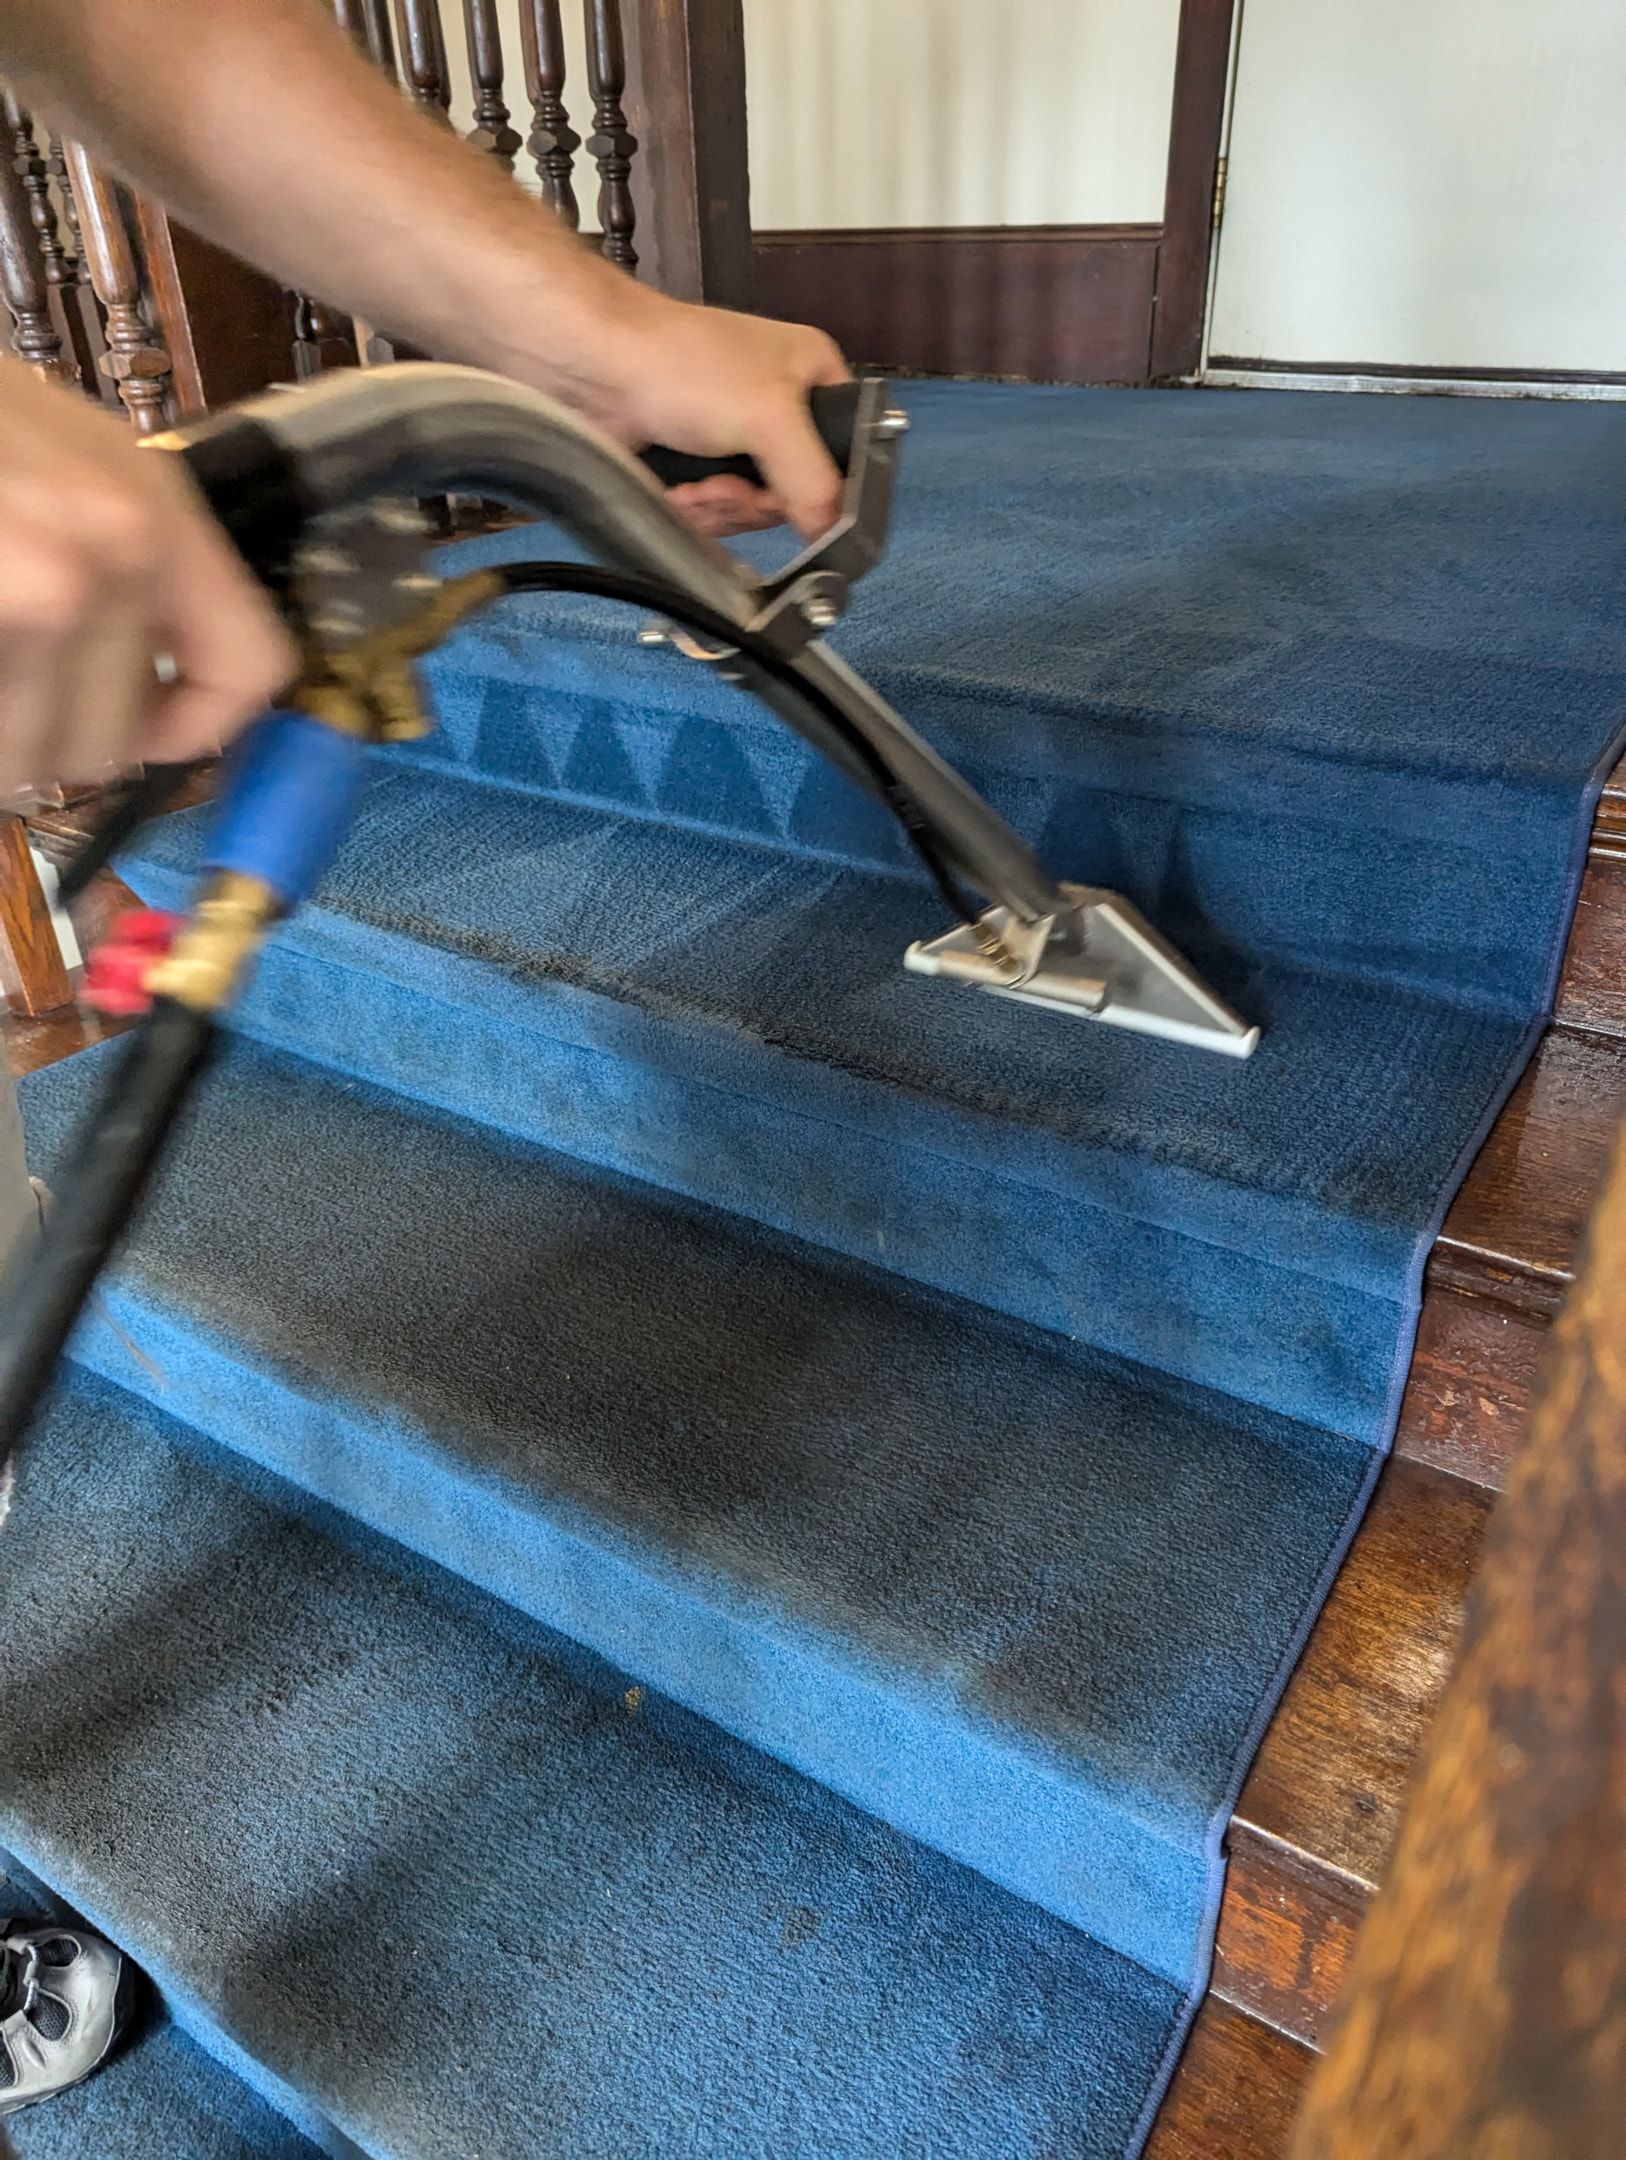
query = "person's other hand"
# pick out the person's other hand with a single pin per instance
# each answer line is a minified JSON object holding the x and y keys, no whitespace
{"x":108,"y":560}
{"x":715,"y":384}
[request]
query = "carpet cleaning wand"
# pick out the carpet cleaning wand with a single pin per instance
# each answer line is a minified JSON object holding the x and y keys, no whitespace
{"x":316,"y":487}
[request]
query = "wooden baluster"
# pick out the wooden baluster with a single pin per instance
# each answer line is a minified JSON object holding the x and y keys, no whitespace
{"x":368,"y":23}
{"x":552,"y":142}
{"x":22,"y":283}
{"x":380,"y":37}
{"x":135,"y":360}
{"x":422,"y":55}
{"x":322,"y":338}
{"x":73,"y":307}
{"x":31,"y":169}
{"x":612,"y":142}
{"x":86,"y":329}
{"x":492,"y":131}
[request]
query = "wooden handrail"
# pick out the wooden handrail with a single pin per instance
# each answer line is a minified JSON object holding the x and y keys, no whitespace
{"x":1485,"y":2017}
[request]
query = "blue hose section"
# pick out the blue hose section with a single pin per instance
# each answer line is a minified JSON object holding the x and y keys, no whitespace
{"x":288,"y":803}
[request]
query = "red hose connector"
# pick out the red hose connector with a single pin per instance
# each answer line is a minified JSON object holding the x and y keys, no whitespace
{"x":116,"y":974}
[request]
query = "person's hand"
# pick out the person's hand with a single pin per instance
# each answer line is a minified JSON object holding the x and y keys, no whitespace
{"x":108,"y":560}
{"x":712,"y":383}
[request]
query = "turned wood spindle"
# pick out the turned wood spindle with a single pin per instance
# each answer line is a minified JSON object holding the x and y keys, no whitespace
{"x":70,"y":208}
{"x":31,"y":168}
{"x":612,"y":143}
{"x":322,"y":338}
{"x":22,"y":283}
{"x":72,"y":305}
{"x":552,"y":142}
{"x":368,"y":23}
{"x":492,"y":131}
{"x":135,"y":360}
{"x":422,"y":56}
{"x":79,"y":302}
{"x":79,"y":305}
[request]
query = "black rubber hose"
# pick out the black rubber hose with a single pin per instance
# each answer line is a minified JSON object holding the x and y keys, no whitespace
{"x":148,"y":796}
{"x":47,"y":1287}
{"x":693,"y":616}
{"x":136,"y":802}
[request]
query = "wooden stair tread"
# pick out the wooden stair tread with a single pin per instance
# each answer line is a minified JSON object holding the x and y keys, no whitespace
{"x":1236,"y":2092}
{"x":1516,"y":1224}
{"x":1315,"y":1821}
{"x":1472,"y":1381}
{"x":1592,"y":988}
{"x":1506,"y":1255}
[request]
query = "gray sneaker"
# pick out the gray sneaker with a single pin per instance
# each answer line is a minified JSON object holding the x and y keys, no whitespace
{"x":65,"y":1996}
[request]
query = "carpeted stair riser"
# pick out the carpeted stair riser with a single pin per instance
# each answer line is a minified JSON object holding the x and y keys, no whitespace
{"x":441,"y":1882}
{"x":1407,"y":890}
{"x":1316,"y":680}
{"x":721,"y":1021}
{"x":878,"y":1534}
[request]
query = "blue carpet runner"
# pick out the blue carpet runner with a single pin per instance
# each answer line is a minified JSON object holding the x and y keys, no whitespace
{"x":163,"y":2097}
{"x":941,"y":1420}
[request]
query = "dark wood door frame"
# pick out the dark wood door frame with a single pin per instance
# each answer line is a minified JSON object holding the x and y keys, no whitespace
{"x":1080,"y":303}
{"x":1196,"y":133}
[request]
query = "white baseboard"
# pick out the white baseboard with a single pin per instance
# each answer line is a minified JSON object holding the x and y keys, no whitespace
{"x":1223,"y":378}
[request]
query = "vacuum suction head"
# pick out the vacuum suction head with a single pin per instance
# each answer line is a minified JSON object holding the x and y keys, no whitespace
{"x":1102,"y":960}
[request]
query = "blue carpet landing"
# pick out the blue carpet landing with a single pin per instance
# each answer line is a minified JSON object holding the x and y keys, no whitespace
{"x":726,"y":1520}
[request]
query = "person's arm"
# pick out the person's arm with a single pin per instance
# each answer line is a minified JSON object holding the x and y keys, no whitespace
{"x":258,"y":123}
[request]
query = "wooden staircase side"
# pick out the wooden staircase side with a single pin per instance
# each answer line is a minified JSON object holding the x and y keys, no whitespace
{"x":1317,"y":1820}
{"x":1486,"y":2009}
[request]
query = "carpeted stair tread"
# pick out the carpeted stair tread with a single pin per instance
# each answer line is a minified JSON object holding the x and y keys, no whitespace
{"x":443,"y":1881}
{"x":737,"y":1025}
{"x":1315,"y":684}
{"x":951,"y":1565}
{"x":162,"y":2099}
{"x":1326,"y":687}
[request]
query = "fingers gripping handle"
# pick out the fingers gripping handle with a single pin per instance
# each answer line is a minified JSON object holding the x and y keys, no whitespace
{"x":835,"y":415}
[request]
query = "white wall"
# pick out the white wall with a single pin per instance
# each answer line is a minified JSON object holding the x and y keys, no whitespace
{"x":958,"y":112}
{"x":922,"y":112}
{"x":1428,"y":183}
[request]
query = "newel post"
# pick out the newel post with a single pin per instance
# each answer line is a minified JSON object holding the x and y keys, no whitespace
{"x":692,"y":182}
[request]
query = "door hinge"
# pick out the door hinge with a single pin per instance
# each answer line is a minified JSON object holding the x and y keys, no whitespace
{"x":1221,"y":167}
